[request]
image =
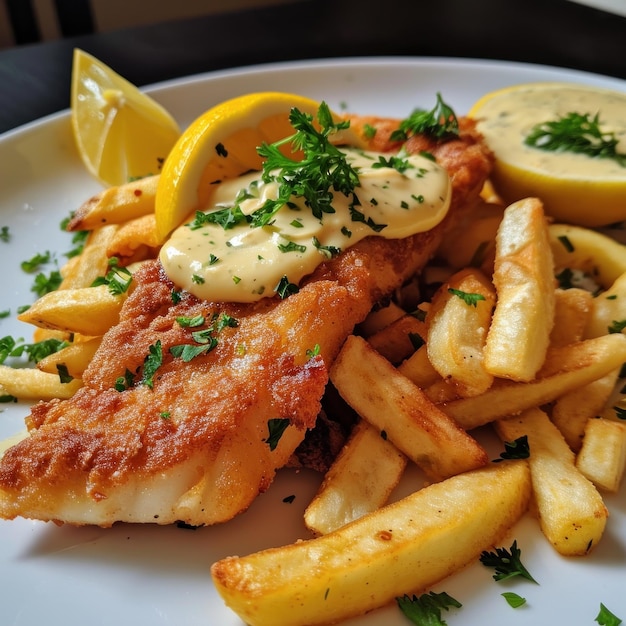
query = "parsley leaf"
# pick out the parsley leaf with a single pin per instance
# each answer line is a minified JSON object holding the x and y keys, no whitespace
{"x":579,"y":133}
{"x":323,"y":169}
{"x":517,"y":449}
{"x":425,"y":610}
{"x":606,"y":618}
{"x":151,"y":364}
{"x":276,"y":427}
{"x":285,"y":289}
{"x":514,"y":600}
{"x":471,"y":299}
{"x":118,"y":278}
{"x":440,"y":122}
{"x":507,"y":564}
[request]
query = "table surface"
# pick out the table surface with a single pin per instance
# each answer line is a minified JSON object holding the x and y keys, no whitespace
{"x":35,"y":79}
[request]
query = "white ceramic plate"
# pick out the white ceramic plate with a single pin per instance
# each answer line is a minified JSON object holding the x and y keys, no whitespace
{"x":130,"y":575}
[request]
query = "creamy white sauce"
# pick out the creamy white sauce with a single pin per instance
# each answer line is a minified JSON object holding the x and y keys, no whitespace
{"x":245,"y":264}
{"x":508,"y":118}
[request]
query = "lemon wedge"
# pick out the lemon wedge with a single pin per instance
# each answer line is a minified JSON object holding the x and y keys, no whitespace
{"x":575,"y":188}
{"x":222,"y":144}
{"x":121,"y":133}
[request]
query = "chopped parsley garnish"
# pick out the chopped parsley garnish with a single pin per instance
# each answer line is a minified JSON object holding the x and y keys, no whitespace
{"x":617,"y":326}
{"x":205,"y":340}
{"x":620,"y":413}
{"x":285,"y":289}
{"x":9,"y":347}
{"x":64,"y":375}
{"x":507,"y":564}
{"x":440,"y":122}
{"x":124,"y":382}
{"x":359,"y":216}
{"x":425,"y":610}
{"x":329,"y":252}
{"x":5,"y":235}
{"x":45,"y":284}
{"x":471,"y":299}
{"x":517,"y":449}
{"x":369,"y":131}
{"x":323,"y":169}
{"x":579,"y":133}
{"x":566,"y":243}
{"x":291,"y":246}
{"x":276,"y":427}
{"x":606,"y":618}
{"x":514,"y":600}
{"x":33,"y":264}
{"x":397,"y":162}
{"x":152,"y":362}
{"x":118,"y":278}
{"x":313,"y":352}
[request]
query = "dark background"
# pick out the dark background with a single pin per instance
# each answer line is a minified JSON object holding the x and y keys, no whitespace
{"x":35,"y":77}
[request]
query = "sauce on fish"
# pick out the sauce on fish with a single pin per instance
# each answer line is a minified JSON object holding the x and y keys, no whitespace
{"x":243,"y":263}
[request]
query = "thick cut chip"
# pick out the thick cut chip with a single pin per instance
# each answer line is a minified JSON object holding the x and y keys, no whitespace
{"x":400,"y":549}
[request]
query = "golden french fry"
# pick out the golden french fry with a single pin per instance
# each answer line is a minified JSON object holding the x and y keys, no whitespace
{"x":136,"y":239}
{"x":458,"y":321}
{"x":389,"y":401}
{"x":360,"y":481}
{"x":519,"y":334}
{"x":75,"y":357}
{"x":472,"y":243}
{"x":602,"y":457}
{"x":567,"y":368}
{"x":398,"y":340}
{"x":400,"y":549}
{"x":572,"y":411}
{"x":572,"y":514}
{"x":608,"y":312}
{"x":32,"y":384}
{"x":93,"y":261}
{"x":90,"y":311}
{"x":116,"y":205}
{"x":419,"y":370}
{"x":377,"y":319}
{"x":571,"y":314}
{"x":597,"y":255}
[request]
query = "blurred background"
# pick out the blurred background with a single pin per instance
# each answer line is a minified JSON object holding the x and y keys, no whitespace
{"x":150,"y":41}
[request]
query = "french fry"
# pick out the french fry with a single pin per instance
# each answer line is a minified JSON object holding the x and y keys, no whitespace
{"x":602,"y":457}
{"x":590,"y":251}
{"x":567,"y":368}
{"x":134,"y":240}
{"x":472,"y":244}
{"x":418,"y":369}
{"x":93,"y":261}
{"x":90,"y":311}
{"x":571,"y":314}
{"x":32,"y":384}
{"x":400,"y":549}
{"x":377,"y":319}
{"x":524,"y":280}
{"x":360,"y":481}
{"x":572,"y":514}
{"x":116,"y":205}
{"x":389,"y":401}
{"x":458,"y":321}
{"x":574,"y":409}
{"x":397,"y":340}
{"x":608,"y":312}
{"x":75,"y":357}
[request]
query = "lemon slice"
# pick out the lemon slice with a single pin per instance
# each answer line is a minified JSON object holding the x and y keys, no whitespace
{"x":575,"y":188}
{"x":121,"y":133}
{"x":222,"y":144}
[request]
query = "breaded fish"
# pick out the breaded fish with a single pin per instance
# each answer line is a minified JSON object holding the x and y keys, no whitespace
{"x":193,"y":442}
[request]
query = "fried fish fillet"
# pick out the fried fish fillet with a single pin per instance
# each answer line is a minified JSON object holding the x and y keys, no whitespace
{"x":192,"y":441}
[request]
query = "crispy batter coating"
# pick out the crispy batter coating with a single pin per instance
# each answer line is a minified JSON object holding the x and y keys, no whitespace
{"x":193,"y":443}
